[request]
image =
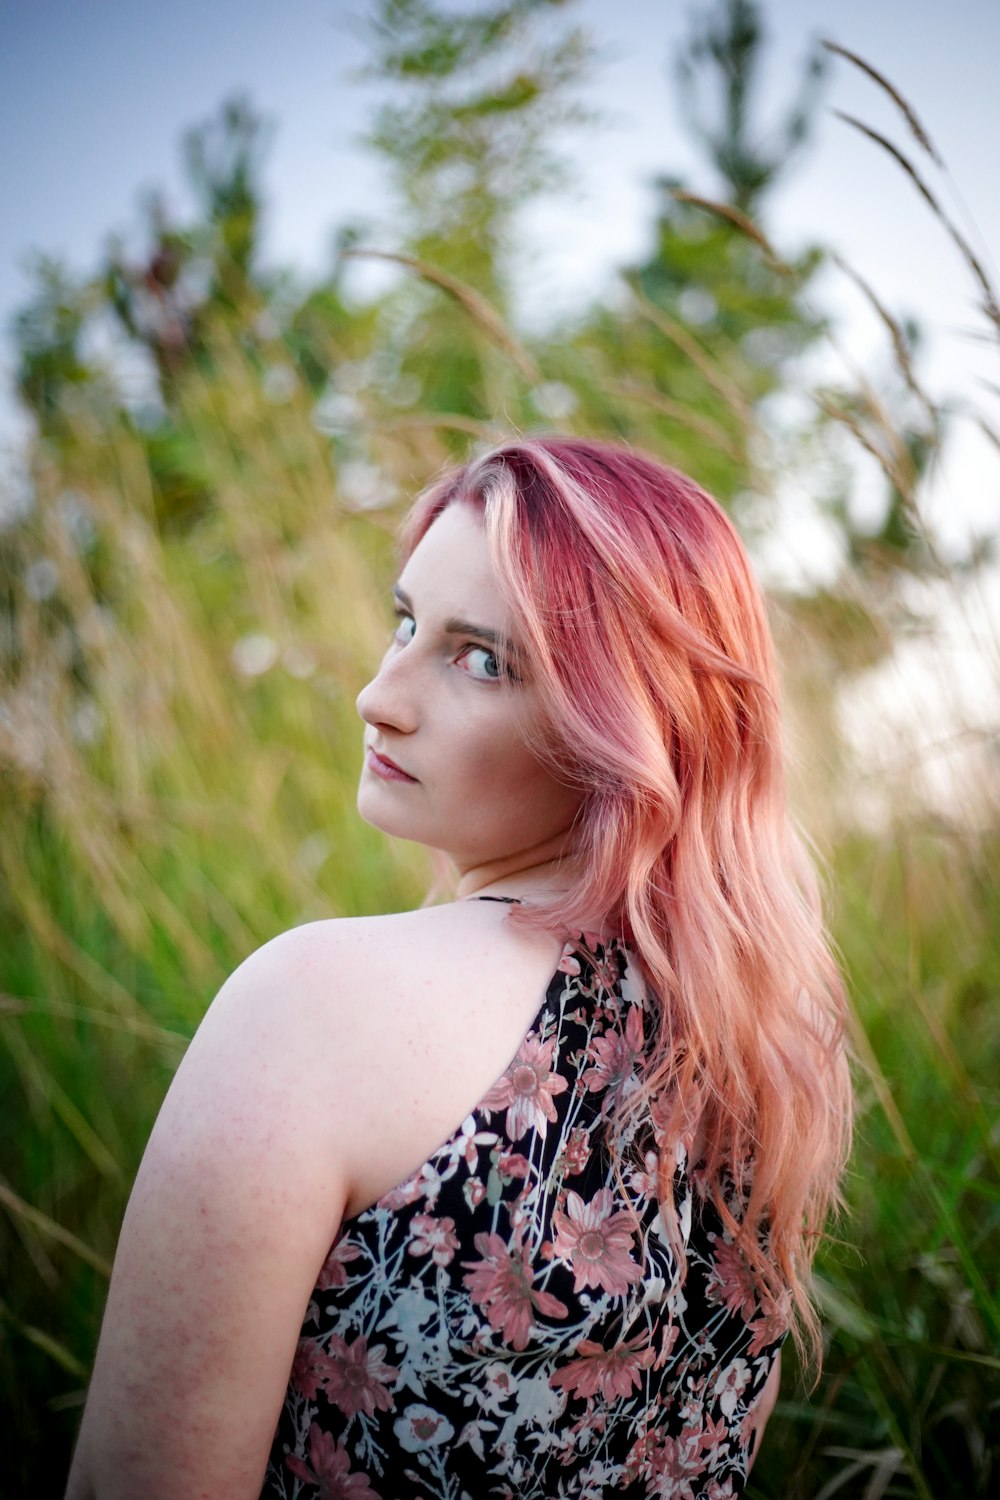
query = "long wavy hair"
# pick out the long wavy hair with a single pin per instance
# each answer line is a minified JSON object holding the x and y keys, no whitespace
{"x":647,"y":635}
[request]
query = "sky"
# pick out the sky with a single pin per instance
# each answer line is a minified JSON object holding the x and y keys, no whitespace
{"x":94,"y":99}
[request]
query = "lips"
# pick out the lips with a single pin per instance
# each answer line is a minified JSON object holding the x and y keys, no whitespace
{"x":388,"y":761}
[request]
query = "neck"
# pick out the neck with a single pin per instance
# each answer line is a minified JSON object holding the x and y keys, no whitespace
{"x":527,"y":878}
{"x":540,"y":871}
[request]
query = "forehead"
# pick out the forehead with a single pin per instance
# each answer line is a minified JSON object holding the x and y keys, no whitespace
{"x":451,"y":567}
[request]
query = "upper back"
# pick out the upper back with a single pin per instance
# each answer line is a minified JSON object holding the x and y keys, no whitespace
{"x":493,"y":1321}
{"x":419,"y":1013}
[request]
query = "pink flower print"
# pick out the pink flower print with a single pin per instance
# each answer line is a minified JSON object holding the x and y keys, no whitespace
{"x":593,"y":1422}
{"x":596,"y":1242}
{"x":637,"y":1461}
{"x":512,"y":1164}
{"x":719,"y":1491}
{"x":661,"y":1114}
{"x":730,"y":1384}
{"x":329,"y":1466}
{"x":645,"y":1183}
{"x":606,"y":970}
{"x":501,"y":1284}
{"x":692,"y":1409}
{"x":518,"y":1214}
{"x":308,"y":1367}
{"x":577,"y":1152}
{"x":354,"y":1376}
{"x":668,"y":1338}
{"x":615,"y":1057}
{"x":527,"y":1087}
{"x":333,"y":1273}
{"x":731,"y":1281}
{"x":433,"y":1237}
{"x":613,"y":1372}
{"x":421,"y":1427}
{"x":713,"y":1435}
{"x":467,"y":1142}
{"x":473,"y":1433}
{"x":772,"y":1325}
{"x":475,"y":1191}
{"x":500,"y":1385}
{"x":569,"y":963}
{"x":677,"y":1463}
{"x":407,"y":1192}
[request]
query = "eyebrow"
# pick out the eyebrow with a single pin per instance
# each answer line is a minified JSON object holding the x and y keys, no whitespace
{"x":455,"y":626}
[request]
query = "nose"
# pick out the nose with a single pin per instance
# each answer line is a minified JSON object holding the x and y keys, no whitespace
{"x":389,"y":701}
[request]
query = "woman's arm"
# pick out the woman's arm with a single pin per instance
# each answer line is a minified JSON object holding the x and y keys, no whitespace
{"x":765,"y":1407}
{"x":235,"y":1205}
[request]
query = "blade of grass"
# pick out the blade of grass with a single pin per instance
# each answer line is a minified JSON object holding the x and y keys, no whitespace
{"x":41,"y":1079}
{"x":683,"y":415}
{"x":898,"y":338}
{"x":990,"y":305}
{"x":468,"y":299}
{"x":905,"y":108}
{"x":740,"y":221}
{"x":16,"y":1005}
{"x":49,"y":1345}
{"x":730,"y":390}
{"x":47,"y":1225}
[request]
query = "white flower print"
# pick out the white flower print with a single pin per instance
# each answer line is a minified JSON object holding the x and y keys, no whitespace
{"x":421,"y":1427}
{"x":731,"y":1383}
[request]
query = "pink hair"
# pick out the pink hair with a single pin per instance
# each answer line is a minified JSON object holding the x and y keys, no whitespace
{"x":647,"y":634}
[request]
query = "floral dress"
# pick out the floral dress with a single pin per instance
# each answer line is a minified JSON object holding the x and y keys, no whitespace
{"x":495,"y":1326}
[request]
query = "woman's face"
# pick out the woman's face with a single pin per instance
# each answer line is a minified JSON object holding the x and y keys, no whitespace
{"x":441,"y":710}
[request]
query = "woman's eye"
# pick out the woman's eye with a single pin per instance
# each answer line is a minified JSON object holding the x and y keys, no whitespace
{"x":399,"y":633}
{"x":492,"y":670}
{"x":494,"y":673}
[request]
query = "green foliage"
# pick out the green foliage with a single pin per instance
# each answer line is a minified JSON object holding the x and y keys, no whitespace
{"x":908,"y":1292}
{"x":465,"y":134}
{"x":724,"y":52}
{"x":194,"y":600}
{"x":48,"y":332}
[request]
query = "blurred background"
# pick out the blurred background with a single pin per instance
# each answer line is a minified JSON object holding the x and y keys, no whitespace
{"x":263,"y":271}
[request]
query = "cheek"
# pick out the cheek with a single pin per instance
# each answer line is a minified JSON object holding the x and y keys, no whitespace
{"x":504,"y":781}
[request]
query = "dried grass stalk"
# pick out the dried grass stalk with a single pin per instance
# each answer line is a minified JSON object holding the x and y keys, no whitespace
{"x":991,"y":306}
{"x":903,"y":104}
{"x":716,"y":377}
{"x":740,"y":221}
{"x":899,"y":344}
{"x":681,"y":413}
{"x":469,"y":300}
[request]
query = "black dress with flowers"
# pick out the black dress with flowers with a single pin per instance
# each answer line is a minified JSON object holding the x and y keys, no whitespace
{"x":496,"y":1327}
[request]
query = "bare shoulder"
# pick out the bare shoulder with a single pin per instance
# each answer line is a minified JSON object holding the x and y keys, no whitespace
{"x":419,"y":1013}
{"x":338,"y":965}
{"x":333,"y":1060}
{"x":338,"y":1000}
{"x":363,"y":986}
{"x":238,"y":1197}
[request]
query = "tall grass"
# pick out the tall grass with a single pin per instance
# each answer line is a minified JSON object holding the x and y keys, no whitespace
{"x":178,"y":753}
{"x":909,"y":1401}
{"x":178,"y":756}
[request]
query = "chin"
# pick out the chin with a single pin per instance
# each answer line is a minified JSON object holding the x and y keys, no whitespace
{"x":372,"y":808}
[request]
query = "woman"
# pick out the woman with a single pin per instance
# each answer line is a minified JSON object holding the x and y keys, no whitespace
{"x":517,"y":1195}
